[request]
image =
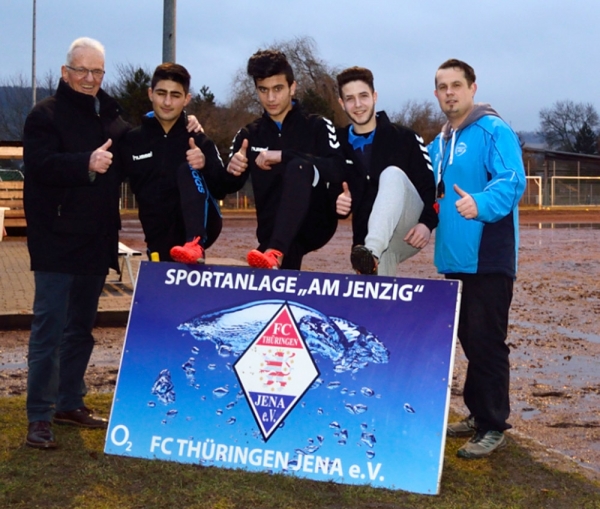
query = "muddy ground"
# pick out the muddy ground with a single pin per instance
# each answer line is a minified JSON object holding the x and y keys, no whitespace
{"x":554,"y":332}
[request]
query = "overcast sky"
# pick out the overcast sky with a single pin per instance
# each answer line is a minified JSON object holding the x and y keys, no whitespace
{"x":527,"y":53}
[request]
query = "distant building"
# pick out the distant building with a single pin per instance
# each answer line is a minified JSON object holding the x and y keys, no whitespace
{"x":556,"y":178}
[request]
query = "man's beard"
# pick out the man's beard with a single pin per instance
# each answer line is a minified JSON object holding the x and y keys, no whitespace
{"x":369,"y":118}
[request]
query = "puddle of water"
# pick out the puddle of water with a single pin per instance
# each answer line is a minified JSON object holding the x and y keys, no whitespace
{"x":569,"y":333}
{"x":524,"y":409}
{"x":13,"y":360}
{"x":577,"y":372}
{"x":585,"y":368}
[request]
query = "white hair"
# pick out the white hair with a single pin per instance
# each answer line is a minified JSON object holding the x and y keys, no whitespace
{"x":84,"y":42}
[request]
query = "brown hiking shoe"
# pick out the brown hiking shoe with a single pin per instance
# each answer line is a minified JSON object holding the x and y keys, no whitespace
{"x":40,"y":436}
{"x":83,"y":417}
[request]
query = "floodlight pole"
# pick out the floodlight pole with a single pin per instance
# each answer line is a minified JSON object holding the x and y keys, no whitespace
{"x":33,"y":77}
{"x":169,"y":31}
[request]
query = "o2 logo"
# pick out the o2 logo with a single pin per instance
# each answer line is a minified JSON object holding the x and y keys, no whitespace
{"x":119,"y":436}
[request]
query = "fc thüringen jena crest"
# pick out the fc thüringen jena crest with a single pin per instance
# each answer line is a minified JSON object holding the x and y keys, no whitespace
{"x":275,"y":371}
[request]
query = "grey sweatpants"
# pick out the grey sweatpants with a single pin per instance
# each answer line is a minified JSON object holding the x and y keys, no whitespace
{"x":396,"y":210}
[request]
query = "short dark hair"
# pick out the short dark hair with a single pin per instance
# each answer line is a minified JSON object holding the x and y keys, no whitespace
{"x":355,"y":74}
{"x":266,"y":63}
{"x":173,"y":72}
{"x":467,"y":70}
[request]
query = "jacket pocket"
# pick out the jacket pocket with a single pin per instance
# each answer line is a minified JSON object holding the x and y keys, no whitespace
{"x":76,"y":226}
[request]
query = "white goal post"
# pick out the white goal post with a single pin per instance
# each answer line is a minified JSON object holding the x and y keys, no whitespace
{"x":574,"y":191}
{"x":533,"y":193}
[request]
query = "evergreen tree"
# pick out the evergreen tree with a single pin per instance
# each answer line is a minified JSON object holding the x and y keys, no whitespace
{"x":131,"y":91}
{"x":205,"y":95}
{"x":586,"y":140}
{"x":312,"y":102}
{"x":202,"y":105}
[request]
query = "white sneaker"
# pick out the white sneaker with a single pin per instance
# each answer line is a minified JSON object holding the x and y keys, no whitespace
{"x":482,"y":444}
{"x":464,"y":428}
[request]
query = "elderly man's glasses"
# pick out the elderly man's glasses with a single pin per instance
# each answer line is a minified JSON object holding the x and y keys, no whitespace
{"x":82,"y":72}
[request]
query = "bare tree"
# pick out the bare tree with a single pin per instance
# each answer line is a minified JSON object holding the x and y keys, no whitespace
{"x":423,"y":117}
{"x":316,"y":84}
{"x":220,"y":123}
{"x":15,"y":102}
{"x":560,"y":124}
{"x":47,"y":85}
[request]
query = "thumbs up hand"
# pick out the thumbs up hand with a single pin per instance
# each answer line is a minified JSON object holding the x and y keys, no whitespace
{"x":239,"y":162}
{"x":466,"y":205}
{"x":101,"y":158}
{"x":343,"y":204}
{"x":194,"y":155}
{"x":244,"y":148}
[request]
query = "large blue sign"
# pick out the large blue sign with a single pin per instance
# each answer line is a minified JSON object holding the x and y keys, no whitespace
{"x":332,"y":377}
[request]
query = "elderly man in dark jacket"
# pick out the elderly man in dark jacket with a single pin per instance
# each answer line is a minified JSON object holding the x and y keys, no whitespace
{"x":71,"y":205}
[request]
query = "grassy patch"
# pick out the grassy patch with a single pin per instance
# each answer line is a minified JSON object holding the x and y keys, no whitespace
{"x":80,"y":475}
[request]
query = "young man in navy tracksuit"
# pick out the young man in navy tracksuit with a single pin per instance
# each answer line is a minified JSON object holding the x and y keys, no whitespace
{"x":296,"y":166}
{"x":390,"y":186}
{"x":174,"y":174}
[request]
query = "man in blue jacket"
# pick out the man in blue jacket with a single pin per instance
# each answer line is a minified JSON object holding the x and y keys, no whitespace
{"x":480,"y":180}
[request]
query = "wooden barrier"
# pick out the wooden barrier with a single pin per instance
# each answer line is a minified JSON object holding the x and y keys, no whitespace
{"x":11,"y":196}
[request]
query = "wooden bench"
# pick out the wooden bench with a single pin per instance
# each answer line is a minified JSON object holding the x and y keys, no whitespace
{"x":125,"y":253}
{"x":11,"y":196}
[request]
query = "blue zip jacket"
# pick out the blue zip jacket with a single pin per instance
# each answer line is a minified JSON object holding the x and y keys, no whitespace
{"x":483,"y":157}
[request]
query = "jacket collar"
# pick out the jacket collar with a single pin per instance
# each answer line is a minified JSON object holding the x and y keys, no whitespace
{"x":382,"y":118}
{"x":150,"y":121}
{"x":85,"y":102}
{"x":479,"y":110}
{"x":296,"y":109}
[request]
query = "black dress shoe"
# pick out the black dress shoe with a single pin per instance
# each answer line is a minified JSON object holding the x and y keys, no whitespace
{"x":83,"y":417}
{"x":40,"y":436}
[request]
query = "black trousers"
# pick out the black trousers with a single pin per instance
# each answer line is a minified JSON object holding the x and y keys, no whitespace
{"x":187,"y":212}
{"x":306,"y":218}
{"x":201,"y":212}
{"x":482,"y":331}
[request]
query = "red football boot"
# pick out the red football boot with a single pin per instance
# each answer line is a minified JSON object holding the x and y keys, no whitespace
{"x":270,"y":259}
{"x":190,"y":252}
